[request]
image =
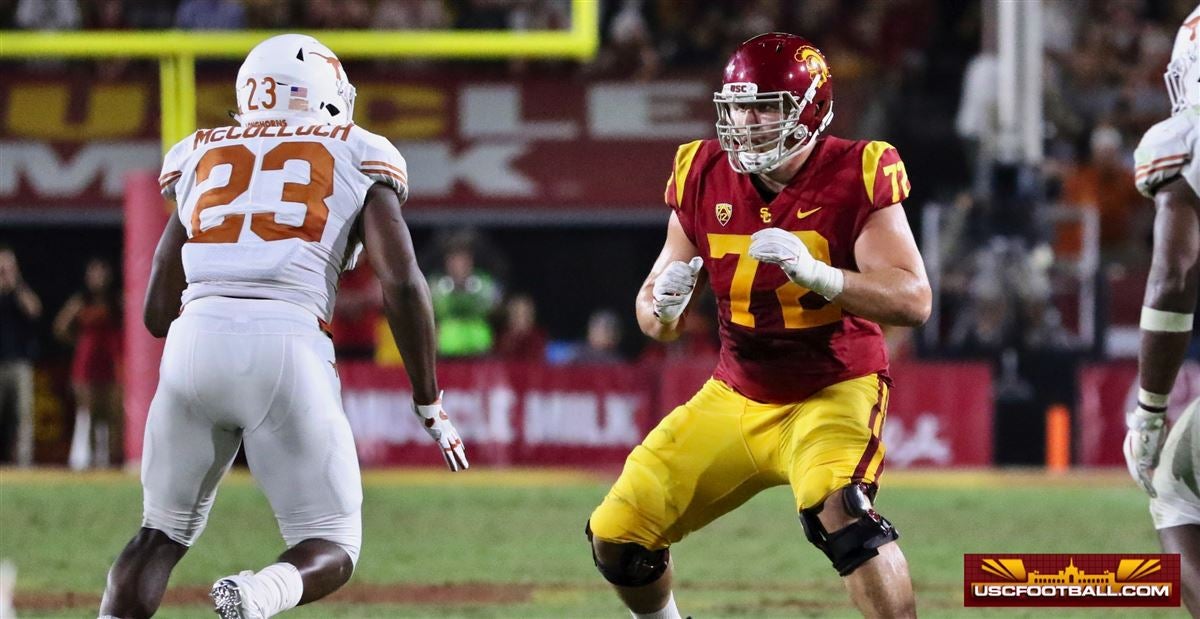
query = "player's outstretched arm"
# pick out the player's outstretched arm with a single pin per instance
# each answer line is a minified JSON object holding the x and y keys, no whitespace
{"x":1167,"y":311}
{"x":167,"y":280}
{"x":890,"y":286}
{"x":665,"y":295}
{"x":409,"y":311}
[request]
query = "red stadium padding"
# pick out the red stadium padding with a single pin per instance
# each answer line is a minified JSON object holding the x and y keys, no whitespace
{"x":535,"y":414}
{"x":145,"y":217}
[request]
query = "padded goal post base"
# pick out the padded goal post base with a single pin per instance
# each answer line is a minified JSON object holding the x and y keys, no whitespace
{"x":145,"y":215}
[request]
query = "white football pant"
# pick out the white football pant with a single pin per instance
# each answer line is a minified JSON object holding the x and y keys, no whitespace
{"x":261,"y":372}
{"x":1175,"y":479}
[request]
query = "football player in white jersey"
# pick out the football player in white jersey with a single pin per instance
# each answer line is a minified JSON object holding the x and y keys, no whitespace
{"x":270,"y":212}
{"x":1168,"y":171}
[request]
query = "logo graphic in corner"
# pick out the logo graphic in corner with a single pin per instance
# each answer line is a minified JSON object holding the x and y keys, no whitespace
{"x":814,"y":63}
{"x":1092,"y":580}
{"x":724,"y":212}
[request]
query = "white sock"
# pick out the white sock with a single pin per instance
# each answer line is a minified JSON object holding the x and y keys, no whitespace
{"x":81,"y":440}
{"x":277,"y":588}
{"x":670,"y":611}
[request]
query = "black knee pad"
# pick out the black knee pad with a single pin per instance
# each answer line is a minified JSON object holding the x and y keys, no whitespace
{"x":856,"y":543}
{"x":637,"y":566}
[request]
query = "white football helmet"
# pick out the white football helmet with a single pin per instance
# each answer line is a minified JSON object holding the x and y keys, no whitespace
{"x":1183,"y":72}
{"x":290,"y":76}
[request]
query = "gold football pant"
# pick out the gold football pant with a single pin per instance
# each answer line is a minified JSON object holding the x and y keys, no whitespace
{"x":713,"y":453}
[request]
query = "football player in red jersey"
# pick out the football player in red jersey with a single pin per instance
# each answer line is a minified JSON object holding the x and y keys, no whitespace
{"x":806,"y":246}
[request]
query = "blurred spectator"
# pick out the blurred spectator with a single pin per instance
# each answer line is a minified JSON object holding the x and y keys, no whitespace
{"x":481,"y":14}
{"x":464,"y":298}
{"x":602,"y":344}
{"x":630,"y":50}
{"x":48,"y":15}
{"x":1105,"y":183}
{"x":358,"y":311}
{"x":410,"y":15}
{"x":342,"y":15}
{"x":212,"y":15}
{"x":268,"y":13}
{"x":20,"y":309}
{"x":92,"y":320}
{"x":521,"y":338}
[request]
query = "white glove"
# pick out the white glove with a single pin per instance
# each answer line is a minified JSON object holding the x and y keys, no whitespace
{"x":785,"y":249}
{"x":673,"y":288}
{"x":437,"y":423}
{"x":1143,"y":443}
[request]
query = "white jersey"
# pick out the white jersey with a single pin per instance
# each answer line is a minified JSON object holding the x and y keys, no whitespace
{"x":1169,"y":149}
{"x":270,"y":209}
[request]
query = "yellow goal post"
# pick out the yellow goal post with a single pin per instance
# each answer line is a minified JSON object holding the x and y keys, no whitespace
{"x":177,"y":51}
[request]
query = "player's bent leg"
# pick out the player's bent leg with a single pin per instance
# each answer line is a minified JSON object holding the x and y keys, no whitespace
{"x":861,"y":544}
{"x":641,"y":577}
{"x":138,"y":578}
{"x":1185,"y":540}
{"x":302,"y":454}
{"x":184,"y":458}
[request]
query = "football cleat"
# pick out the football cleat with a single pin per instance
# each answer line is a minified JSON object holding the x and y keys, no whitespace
{"x":231,"y":600}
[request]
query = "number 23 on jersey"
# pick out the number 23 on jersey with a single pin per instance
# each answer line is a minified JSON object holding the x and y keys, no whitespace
{"x":242,"y":164}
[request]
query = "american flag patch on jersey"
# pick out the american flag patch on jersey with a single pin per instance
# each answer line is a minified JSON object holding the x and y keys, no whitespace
{"x":299,"y":91}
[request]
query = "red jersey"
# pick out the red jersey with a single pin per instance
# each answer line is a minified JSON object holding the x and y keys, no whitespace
{"x":98,"y":345}
{"x":781,"y":342}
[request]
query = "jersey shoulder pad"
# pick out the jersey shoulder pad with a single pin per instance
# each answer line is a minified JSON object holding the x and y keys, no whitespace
{"x":883,"y":174}
{"x":172,"y":167}
{"x":1164,"y":151}
{"x":685,"y":157}
{"x":380,"y":161}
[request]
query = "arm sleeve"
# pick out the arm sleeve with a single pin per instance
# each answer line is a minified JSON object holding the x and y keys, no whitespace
{"x":676,"y":195}
{"x":1166,"y":151}
{"x":382,"y":163}
{"x":172,"y":167}
{"x":884,"y":176}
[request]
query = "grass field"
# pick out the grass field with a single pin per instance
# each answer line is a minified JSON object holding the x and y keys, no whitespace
{"x":510,"y":543}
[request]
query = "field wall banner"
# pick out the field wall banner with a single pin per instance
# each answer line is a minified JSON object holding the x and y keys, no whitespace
{"x":1106,"y":392}
{"x":469,"y":142}
{"x":517,"y":414}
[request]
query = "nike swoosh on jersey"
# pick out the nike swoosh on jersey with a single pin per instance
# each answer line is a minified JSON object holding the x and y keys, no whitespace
{"x":803,"y":214}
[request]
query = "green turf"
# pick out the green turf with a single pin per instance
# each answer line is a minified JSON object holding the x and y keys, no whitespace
{"x":752,"y":563}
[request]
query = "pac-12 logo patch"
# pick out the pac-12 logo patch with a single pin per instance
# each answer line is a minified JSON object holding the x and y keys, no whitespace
{"x":724,"y":212}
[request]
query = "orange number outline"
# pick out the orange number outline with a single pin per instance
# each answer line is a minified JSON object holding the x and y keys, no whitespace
{"x":741,"y":286}
{"x":242,"y":167}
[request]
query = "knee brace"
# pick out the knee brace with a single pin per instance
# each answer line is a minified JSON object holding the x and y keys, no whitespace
{"x":857,"y":542}
{"x":637,"y":566}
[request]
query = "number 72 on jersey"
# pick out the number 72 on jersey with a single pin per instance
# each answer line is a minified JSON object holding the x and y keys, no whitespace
{"x":741,"y":286}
